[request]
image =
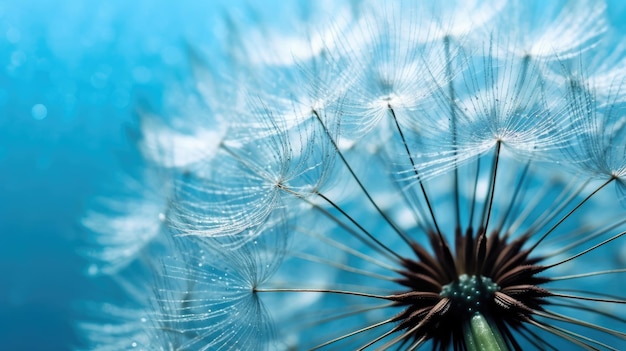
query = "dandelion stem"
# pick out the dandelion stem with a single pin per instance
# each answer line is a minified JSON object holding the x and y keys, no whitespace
{"x":482,"y":335}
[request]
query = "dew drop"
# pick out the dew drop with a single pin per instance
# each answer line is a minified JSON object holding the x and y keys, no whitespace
{"x":93,"y":269}
{"x":39,"y":111}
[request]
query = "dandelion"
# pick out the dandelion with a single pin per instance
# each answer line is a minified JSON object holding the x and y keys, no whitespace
{"x":412,"y":183}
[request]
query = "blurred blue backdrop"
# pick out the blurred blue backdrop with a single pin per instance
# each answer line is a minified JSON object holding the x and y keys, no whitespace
{"x":71,"y":74}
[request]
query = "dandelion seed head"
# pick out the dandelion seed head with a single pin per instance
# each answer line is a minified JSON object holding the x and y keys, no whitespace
{"x":410,"y":176}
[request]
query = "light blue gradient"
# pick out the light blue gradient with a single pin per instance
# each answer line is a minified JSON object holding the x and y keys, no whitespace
{"x":72,"y":76}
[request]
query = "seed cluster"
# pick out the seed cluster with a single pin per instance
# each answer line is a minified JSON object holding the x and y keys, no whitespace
{"x":469,"y":293}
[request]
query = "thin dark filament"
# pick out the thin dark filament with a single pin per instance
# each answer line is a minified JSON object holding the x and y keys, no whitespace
{"x":534,"y":339}
{"x":419,"y":342}
{"x":415,"y":170}
{"x":452,"y":97}
{"x":457,"y":345}
{"x":584,"y":235}
{"x":567,"y":319}
{"x":343,"y":267}
{"x":591,"y":274}
{"x":516,"y":194}
{"x":564,"y":199}
{"x":442,"y":305}
{"x":580,"y":291}
{"x":416,"y":211}
{"x":358,"y":225}
{"x":358,"y":181}
{"x":586,"y":298}
{"x":580,"y":307}
{"x":341,"y":315}
{"x":492,"y":187}
{"x":379,"y":338}
{"x":473,"y":201}
{"x":571,"y":212}
{"x":481,"y":239}
{"x":539,"y":198}
{"x":346,"y":249}
{"x":350,"y":230}
{"x":345,"y":336}
{"x":508,"y":337}
{"x":326,"y":291}
{"x":564,"y":334}
{"x":587,"y":250}
{"x":400,"y":338}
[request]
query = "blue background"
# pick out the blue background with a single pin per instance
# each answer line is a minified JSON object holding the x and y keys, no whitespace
{"x":89,"y":63}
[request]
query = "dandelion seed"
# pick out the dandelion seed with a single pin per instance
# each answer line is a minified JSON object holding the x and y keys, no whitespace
{"x":262,"y":166}
{"x":549,"y":31}
{"x":599,"y":149}
{"x":125,"y":227}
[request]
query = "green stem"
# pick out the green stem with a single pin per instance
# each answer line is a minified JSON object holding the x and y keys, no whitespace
{"x":482,"y":335}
